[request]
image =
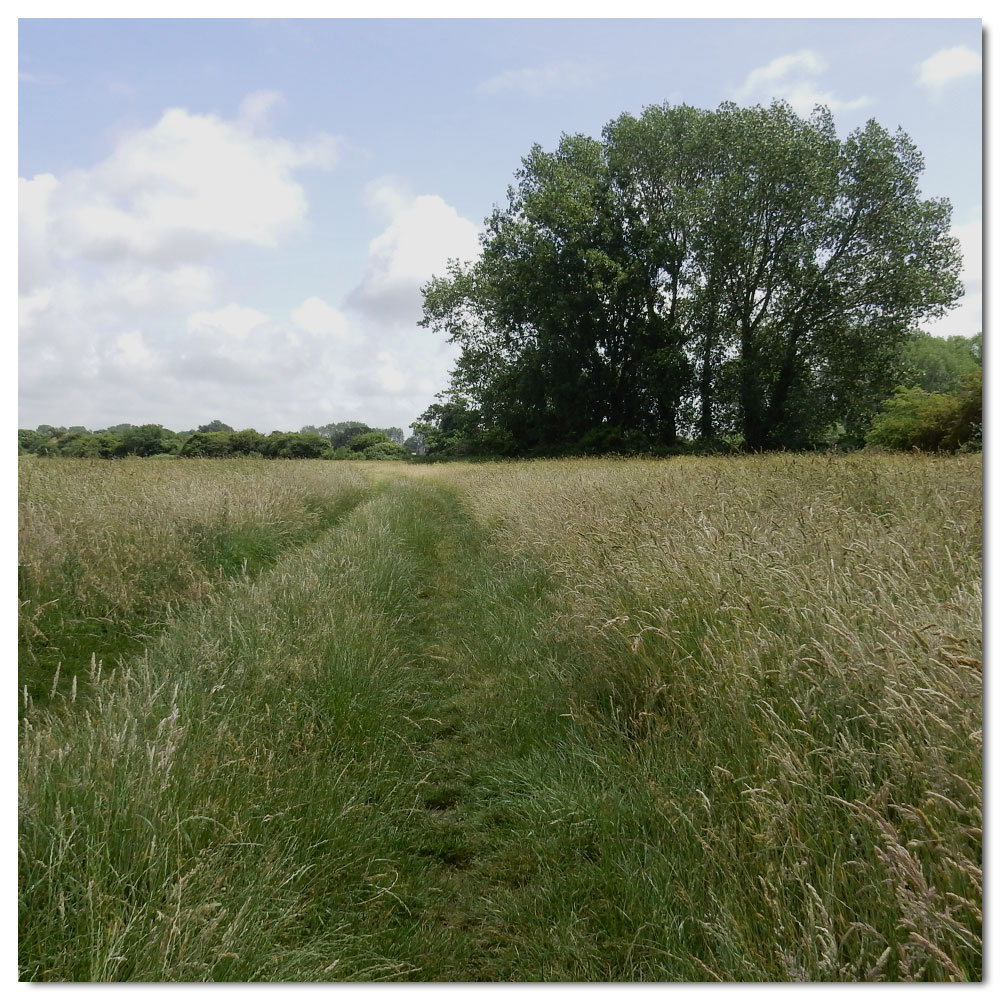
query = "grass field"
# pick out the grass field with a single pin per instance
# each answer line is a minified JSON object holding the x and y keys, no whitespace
{"x":692,"y":719}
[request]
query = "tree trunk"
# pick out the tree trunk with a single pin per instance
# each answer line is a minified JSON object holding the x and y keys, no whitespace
{"x":754,"y":431}
{"x":706,"y":387}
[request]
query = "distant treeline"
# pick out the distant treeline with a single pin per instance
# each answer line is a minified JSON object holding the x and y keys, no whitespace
{"x":349,"y":440}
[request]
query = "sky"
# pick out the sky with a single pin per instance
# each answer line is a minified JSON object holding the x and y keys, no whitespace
{"x":232,"y":219}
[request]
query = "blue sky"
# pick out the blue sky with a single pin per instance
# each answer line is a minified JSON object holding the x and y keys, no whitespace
{"x":232,"y":219}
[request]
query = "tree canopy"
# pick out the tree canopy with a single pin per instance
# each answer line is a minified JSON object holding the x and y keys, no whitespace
{"x":741,"y":272}
{"x":154,"y":440}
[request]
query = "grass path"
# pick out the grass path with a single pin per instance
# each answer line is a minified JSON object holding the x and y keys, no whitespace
{"x":333,"y":771}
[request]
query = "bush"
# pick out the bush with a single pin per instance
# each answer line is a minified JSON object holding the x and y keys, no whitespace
{"x":292,"y":445}
{"x":930,"y":421}
{"x":362,"y":442}
{"x":384,"y":451}
{"x":343,"y":453}
{"x":610,"y":438}
{"x":207,"y":444}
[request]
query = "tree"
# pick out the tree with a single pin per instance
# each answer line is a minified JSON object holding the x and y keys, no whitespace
{"x":145,"y":440}
{"x":339,"y":434}
{"x":213,"y":426}
{"x":361,"y":442}
{"x":447,"y":427}
{"x":385,"y":451}
{"x":29,"y":441}
{"x":207,"y":444}
{"x":736,"y":271}
{"x":279,"y":444}
{"x":247,"y":442}
{"x":414,"y":444}
{"x":394,"y":434}
{"x":939,"y":364}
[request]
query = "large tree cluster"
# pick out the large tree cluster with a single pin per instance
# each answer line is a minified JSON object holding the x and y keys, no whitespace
{"x":739,"y":273}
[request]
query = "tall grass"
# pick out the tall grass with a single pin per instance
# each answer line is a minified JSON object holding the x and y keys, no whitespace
{"x":108,"y":550}
{"x":790,"y":647}
{"x":577,"y":720}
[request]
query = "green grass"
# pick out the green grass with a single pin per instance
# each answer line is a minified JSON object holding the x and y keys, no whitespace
{"x":108,"y":552}
{"x":556,"y":721}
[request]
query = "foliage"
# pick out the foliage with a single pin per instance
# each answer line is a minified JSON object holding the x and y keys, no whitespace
{"x":738,"y":271}
{"x":247,"y":442}
{"x":146,"y":440}
{"x":931,"y":421}
{"x":415,"y":444}
{"x":362,"y":441}
{"x":939,"y":364}
{"x":290,"y":445}
{"x":345,"y":431}
{"x":386,"y":450}
{"x":343,"y":453}
{"x":151,"y":440}
{"x":207,"y":444}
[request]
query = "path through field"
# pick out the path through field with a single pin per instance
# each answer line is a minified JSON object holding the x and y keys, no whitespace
{"x":375,"y":778}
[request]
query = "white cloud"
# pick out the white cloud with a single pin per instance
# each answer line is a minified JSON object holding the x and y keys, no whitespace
{"x":777,"y":71}
{"x":34,"y":197}
{"x":946,"y":66}
{"x":560,"y":77}
{"x":148,"y":291}
{"x":184,"y":187}
{"x":793,"y":78}
{"x":234,"y":321}
{"x":129,"y":310}
{"x":388,"y":196}
{"x":317,"y":317}
{"x":422,"y":235}
{"x":132,"y":352}
{"x":255,"y":108}
{"x":966,"y":318}
{"x":120,"y":315}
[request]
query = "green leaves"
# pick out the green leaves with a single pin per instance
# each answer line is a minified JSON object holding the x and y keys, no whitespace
{"x":743,"y":264}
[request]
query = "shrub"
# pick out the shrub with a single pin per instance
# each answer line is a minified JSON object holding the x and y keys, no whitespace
{"x":385,"y":451}
{"x":930,"y":421}
{"x":362,"y":442}
{"x":207,"y":444}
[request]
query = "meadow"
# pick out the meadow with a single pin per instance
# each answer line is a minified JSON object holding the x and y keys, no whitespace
{"x":694,"y":719}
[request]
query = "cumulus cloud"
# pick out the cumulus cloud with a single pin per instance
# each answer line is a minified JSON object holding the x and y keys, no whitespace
{"x":120,"y":277}
{"x":560,"y":77}
{"x":317,"y":317}
{"x":947,"y":66}
{"x":233,"y":321}
{"x":130,"y":309}
{"x":794,"y":78}
{"x":255,"y":108}
{"x":423,"y":233}
{"x":183,"y":188}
